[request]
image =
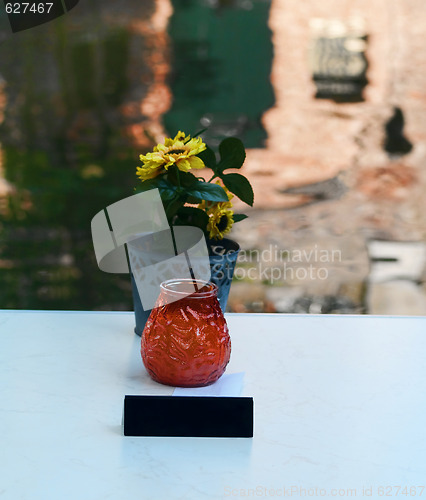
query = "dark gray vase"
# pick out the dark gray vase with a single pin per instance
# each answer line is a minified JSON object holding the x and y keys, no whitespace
{"x":223,"y":258}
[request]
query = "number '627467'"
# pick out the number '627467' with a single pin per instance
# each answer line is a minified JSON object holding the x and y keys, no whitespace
{"x":27,"y":7}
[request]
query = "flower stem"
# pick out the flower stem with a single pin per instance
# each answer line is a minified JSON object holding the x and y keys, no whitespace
{"x":178,"y":179}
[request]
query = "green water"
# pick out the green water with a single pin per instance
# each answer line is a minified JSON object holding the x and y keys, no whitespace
{"x":64,"y":140}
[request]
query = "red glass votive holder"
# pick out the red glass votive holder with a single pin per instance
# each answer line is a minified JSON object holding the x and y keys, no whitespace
{"x":185,"y":342}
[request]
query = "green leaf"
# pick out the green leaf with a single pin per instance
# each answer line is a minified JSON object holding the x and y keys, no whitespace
{"x":239,"y":217}
{"x":184,"y":179}
{"x":240,"y":186}
{"x":172,"y":207}
{"x":232,"y":153}
{"x":207,"y":191}
{"x":167,"y":190}
{"x":193,"y":201}
{"x":208,"y":157}
{"x":190,"y":216}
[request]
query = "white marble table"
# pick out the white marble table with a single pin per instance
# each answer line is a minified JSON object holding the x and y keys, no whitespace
{"x":339,"y":407}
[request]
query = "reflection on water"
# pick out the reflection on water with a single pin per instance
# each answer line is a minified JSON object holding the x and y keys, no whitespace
{"x":221,"y":62}
{"x":67,"y":154}
{"x":82,"y":97}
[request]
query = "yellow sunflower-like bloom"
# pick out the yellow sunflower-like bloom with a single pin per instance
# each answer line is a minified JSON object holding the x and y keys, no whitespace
{"x":180,"y":151}
{"x":220,"y":220}
{"x":220,"y":216}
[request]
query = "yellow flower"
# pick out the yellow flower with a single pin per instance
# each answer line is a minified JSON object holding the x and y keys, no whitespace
{"x":180,"y":151}
{"x":220,"y":220}
{"x":220,"y":216}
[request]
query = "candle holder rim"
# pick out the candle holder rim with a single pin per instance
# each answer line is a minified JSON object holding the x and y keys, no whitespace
{"x":212,"y":288}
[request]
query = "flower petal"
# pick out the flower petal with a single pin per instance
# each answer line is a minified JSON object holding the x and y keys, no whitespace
{"x":183,"y":164}
{"x":216,"y":214}
{"x":195,"y":162}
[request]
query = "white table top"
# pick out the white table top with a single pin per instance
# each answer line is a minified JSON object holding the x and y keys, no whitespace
{"x":339,"y":406}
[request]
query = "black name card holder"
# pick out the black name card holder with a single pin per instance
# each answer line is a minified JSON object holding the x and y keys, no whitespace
{"x":188,"y":416}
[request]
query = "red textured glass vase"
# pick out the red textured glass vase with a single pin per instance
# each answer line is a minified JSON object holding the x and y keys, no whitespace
{"x":186,"y":342}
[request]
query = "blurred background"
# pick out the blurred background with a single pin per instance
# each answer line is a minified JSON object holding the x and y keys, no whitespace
{"x":329,"y":98}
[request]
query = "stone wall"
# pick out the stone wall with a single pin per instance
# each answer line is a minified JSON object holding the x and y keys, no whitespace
{"x":311,"y":140}
{"x":325,"y":177}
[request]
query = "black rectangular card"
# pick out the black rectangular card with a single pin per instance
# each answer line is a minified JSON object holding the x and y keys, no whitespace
{"x":188,"y":416}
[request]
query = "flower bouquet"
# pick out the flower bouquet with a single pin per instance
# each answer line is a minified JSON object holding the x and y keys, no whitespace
{"x":192,"y":200}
